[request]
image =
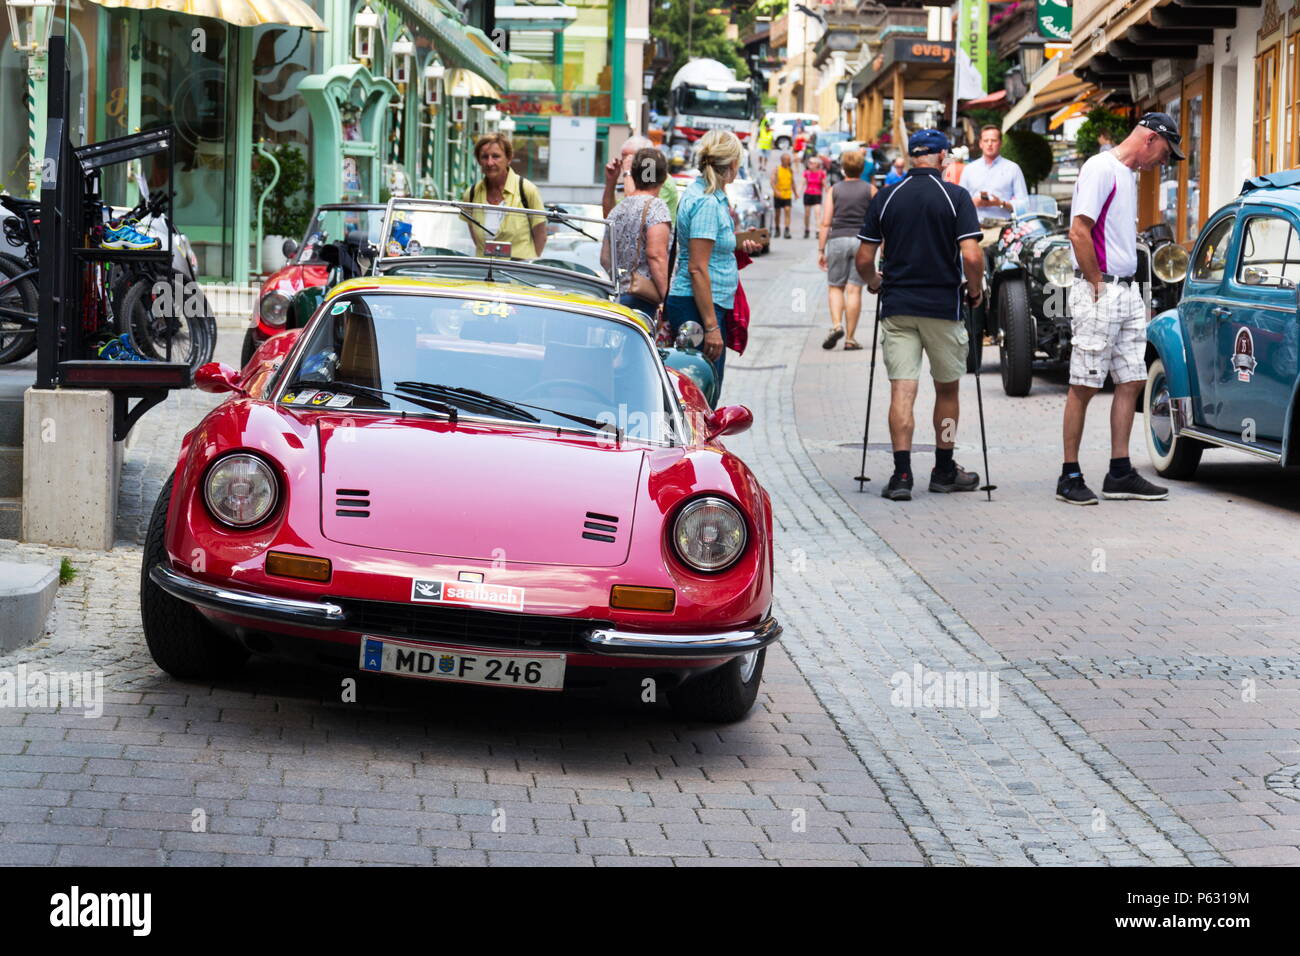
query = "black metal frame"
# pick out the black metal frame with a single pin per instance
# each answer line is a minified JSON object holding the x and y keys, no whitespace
{"x":70,"y":201}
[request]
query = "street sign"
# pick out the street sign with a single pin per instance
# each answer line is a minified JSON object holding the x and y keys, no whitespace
{"x":1055,"y":19}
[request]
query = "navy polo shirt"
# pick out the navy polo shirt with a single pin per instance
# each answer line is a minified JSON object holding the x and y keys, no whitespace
{"x":920,"y":221}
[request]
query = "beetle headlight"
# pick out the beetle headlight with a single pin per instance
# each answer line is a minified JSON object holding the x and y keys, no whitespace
{"x":709,"y":534}
{"x":1170,"y":263}
{"x":1057,"y":267}
{"x":241,"y":490}
{"x":274,"y":307}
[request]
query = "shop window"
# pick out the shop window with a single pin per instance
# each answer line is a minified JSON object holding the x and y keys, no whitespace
{"x":1266,"y":113}
{"x":569,"y":73}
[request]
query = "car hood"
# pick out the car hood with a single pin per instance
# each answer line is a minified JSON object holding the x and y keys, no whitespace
{"x":477,"y":492}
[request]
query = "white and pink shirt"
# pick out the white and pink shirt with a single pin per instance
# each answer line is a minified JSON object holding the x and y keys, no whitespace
{"x":1106,"y":192}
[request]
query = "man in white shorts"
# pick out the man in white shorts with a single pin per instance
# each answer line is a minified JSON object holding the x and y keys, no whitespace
{"x":1108,"y":314}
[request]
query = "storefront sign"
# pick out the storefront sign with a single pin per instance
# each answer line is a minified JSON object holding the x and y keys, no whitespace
{"x":556,"y":104}
{"x":1055,"y":18}
{"x":973,"y":35}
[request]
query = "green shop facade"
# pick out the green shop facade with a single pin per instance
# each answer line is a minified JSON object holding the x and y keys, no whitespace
{"x":381,"y":97}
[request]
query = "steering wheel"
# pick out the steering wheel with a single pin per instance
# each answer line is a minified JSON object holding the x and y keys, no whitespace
{"x":544,"y":387}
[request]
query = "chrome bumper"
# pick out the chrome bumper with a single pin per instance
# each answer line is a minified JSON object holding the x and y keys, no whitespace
{"x":329,"y":616}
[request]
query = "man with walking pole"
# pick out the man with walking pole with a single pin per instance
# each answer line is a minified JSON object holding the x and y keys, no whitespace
{"x":931,"y":235}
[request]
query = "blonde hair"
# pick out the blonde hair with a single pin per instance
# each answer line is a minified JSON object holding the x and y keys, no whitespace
{"x":852,"y":161}
{"x":719,"y":149}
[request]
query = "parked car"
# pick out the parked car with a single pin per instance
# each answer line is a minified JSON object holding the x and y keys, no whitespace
{"x":782,"y":126}
{"x":467,"y":482}
{"x":329,"y":222}
{"x":1223,"y":365}
{"x":752,"y":208}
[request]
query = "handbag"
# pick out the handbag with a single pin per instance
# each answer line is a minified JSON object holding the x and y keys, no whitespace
{"x":642,"y":286}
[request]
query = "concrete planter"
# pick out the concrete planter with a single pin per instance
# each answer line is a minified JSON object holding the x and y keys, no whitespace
{"x":273,"y":253}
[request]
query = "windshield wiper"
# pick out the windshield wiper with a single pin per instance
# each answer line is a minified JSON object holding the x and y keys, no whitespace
{"x":365,"y":391}
{"x":493,"y":401}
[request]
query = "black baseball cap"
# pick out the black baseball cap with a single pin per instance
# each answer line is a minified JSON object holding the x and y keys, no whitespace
{"x":1164,"y":124}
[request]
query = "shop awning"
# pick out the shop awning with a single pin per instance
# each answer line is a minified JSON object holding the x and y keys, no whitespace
{"x":240,"y":13}
{"x":1047,"y":75}
{"x":459,"y":45}
{"x":987,"y":102}
{"x":476,"y":87}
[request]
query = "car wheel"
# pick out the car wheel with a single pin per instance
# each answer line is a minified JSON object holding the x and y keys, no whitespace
{"x":250,"y":346}
{"x":783,"y":142}
{"x":1016,"y":336}
{"x":723,"y":695}
{"x":1173,"y":456}
{"x":181,"y":641}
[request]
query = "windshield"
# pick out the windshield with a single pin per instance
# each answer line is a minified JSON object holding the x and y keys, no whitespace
{"x":1035,"y":205}
{"x":575,"y":234}
{"x":729,"y":104}
{"x":332,"y":225}
{"x":567,"y":362}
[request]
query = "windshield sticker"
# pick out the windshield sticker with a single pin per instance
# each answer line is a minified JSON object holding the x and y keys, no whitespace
{"x":289,"y":397}
{"x":1243,"y":355}
{"x":339,"y":307}
{"x":320,"y":398}
{"x":484,"y":307}
{"x":339,"y":401}
{"x":474,"y":594}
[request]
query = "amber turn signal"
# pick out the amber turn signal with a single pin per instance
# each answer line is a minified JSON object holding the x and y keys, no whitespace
{"x":642,"y":599}
{"x":297,"y":566}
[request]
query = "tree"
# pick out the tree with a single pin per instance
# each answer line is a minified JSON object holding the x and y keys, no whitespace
{"x":288,"y":207}
{"x":1099,"y":118}
{"x":691,"y":34}
{"x":1030,"y":151}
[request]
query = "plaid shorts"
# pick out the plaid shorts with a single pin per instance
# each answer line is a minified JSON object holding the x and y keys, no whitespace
{"x":1108,"y":334}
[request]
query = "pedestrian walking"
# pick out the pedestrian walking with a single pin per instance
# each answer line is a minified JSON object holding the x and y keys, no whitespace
{"x":842,"y":216}
{"x":931,"y":236}
{"x":764,"y":142}
{"x":1108,"y":312}
{"x":703,"y":286}
{"x":617,"y":172}
{"x":640,"y":225}
{"x":897,"y":172}
{"x":513,"y":235}
{"x":814,"y":179}
{"x":994,"y":183}
{"x":783,"y":194}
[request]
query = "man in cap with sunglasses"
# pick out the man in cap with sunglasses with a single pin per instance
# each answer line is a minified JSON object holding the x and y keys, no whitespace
{"x":1108,"y":313}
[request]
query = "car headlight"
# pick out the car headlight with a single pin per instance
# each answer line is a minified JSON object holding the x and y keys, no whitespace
{"x":241,"y":490}
{"x":1170,"y":263}
{"x":274,"y":307}
{"x":1057,"y":267}
{"x":709,"y":534}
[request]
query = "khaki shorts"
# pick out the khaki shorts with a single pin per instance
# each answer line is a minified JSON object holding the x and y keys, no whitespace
{"x":944,"y":342}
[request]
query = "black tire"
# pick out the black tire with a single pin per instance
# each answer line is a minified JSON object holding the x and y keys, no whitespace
{"x":783,"y":142}
{"x":181,"y":641}
{"x":720,"y":696}
{"x":1182,"y":455}
{"x":190,"y":341}
{"x":16,"y":342}
{"x":249,"y":347}
{"x":1017,"y":338}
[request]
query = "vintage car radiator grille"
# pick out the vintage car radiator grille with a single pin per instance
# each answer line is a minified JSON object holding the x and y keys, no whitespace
{"x":469,"y":625}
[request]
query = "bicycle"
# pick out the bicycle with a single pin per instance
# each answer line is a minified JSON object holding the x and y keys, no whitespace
{"x":18,"y":290}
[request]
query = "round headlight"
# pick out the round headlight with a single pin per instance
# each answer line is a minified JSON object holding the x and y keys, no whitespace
{"x":690,"y":335}
{"x":1057,"y":267}
{"x":1170,"y":263}
{"x":274,"y":307}
{"x":241,"y":490}
{"x":709,"y":534}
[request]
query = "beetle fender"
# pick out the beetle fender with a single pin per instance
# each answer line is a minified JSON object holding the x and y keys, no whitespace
{"x":1165,"y":334}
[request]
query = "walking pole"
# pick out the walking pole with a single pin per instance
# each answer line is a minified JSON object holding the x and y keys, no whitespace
{"x":988,"y":488}
{"x":871,"y":383}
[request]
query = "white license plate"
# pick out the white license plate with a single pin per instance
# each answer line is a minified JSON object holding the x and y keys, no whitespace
{"x":458,"y":665}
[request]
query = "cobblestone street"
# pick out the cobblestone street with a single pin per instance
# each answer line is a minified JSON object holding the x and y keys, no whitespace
{"x":1121,"y":733}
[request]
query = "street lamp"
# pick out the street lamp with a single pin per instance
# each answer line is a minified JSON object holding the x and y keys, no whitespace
{"x":433,"y":74}
{"x":803,"y":97}
{"x":28,"y":14}
{"x":38,"y":17}
{"x":364,"y":27}
{"x":403,"y":51}
{"x":507,"y":124}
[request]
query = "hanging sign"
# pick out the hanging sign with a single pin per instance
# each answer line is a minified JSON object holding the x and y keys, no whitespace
{"x":1055,"y":18}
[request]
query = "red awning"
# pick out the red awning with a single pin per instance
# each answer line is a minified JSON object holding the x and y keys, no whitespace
{"x":984,"y":102}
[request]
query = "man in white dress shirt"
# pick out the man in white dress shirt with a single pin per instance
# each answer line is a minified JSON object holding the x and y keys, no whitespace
{"x":993,"y":182}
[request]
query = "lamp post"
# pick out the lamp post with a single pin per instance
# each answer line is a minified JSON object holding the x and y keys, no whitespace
{"x":803,"y":97}
{"x":401,"y":53}
{"x":37,"y":16}
{"x":364,"y":28}
{"x":432,"y":76}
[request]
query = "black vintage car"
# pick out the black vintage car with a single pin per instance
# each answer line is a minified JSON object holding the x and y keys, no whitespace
{"x":1028,"y":276}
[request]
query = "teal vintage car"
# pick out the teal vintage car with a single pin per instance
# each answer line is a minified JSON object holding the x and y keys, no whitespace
{"x":1223,"y":366}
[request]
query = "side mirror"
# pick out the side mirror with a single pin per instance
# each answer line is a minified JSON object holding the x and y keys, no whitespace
{"x":289,"y":248}
{"x":217,"y":378}
{"x":727,"y":420}
{"x":1253,"y":275}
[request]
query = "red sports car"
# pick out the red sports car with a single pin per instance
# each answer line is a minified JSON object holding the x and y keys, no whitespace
{"x":473,"y":483}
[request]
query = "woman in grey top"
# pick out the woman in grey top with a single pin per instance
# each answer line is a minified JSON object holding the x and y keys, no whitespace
{"x":842,"y":214}
{"x":640,"y":227}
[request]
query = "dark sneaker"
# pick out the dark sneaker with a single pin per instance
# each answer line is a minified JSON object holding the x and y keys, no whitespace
{"x":1132,"y":485}
{"x":830,"y":340}
{"x":787,"y":233}
{"x":959,"y":479}
{"x":1073,"y":491}
{"x":899,"y":488}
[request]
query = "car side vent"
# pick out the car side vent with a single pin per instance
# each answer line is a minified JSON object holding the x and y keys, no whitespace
{"x":352,"y":503}
{"x":600,"y":527}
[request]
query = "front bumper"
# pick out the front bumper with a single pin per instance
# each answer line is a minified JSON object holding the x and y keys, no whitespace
{"x":326,"y":615}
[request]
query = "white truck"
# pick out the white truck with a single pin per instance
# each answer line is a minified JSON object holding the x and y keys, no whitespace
{"x":706,"y":95}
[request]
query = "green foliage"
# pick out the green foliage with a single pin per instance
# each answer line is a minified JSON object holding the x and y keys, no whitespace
{"x":288,"y":206}
{"x":744,"y":16}
{"x":1099,"y":118}
{"x":66,"y":571}
{"x":1032,"y":152}
{"x":691,"y":36}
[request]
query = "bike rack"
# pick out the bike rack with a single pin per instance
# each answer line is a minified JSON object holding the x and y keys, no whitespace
{"x":70,"y":196}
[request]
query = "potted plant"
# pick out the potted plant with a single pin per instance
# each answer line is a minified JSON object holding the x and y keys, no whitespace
{"x":287,"y":207}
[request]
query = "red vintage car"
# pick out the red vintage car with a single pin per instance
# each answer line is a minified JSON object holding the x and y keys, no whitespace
{"x":467,"y":482}
{"x":329,"y":223}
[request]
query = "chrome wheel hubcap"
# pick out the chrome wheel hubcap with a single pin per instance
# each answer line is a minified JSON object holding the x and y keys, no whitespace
{"x":1162,"y":418}
{"x":747,"y":664}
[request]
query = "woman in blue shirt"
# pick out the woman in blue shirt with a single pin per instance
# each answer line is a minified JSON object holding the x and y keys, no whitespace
{"x":704,"y":284}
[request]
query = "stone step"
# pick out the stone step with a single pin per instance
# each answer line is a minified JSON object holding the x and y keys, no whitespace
{"x":11,"y":518}
{"x":11,"y":422}
{"x":26,"y":596}
{"x":11,"y":472}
